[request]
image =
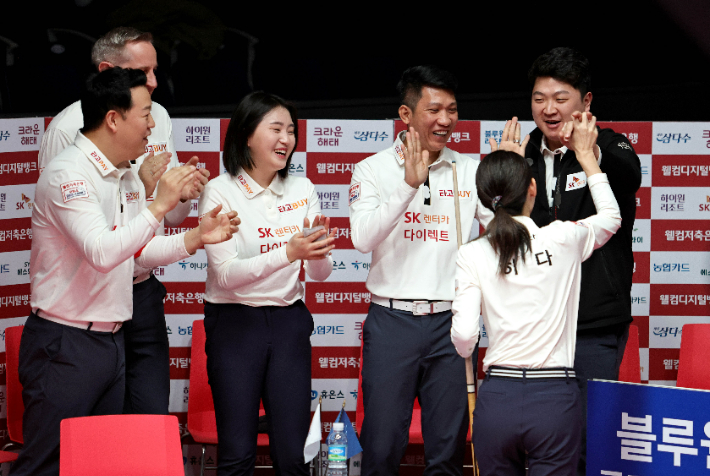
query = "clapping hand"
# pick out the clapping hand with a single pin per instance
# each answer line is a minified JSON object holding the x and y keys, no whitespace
{"x":307,"y":247}
{"x":194,"y":189}
{"x":152,"y":168}
{"x":216,"y":228}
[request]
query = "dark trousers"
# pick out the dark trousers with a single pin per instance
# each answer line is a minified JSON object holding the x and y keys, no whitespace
{"x":598,"y":355}
{"x":256,"y":353}
{"x":407,"y":357}
{"x":65,"y":372}
{"x":542,"y":417}
{"x":147,"y":352}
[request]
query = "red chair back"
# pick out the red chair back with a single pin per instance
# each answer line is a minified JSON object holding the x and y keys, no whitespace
{"x":111,"y":445}
{"x":201,"y":422}
{"x":630,"y":370}
{"x":694,"y":357}
{"x":15,"y":405}
{"x":7,"y":456}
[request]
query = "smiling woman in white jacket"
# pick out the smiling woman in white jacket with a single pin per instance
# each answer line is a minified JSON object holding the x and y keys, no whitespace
{"x":258,"y":328}
{"x":525,"y":281}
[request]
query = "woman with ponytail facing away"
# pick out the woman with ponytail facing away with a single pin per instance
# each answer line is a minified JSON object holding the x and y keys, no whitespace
{"x":525,"y":281}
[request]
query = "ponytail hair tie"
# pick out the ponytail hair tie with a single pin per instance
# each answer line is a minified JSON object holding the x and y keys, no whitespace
{"x":495,"y":202}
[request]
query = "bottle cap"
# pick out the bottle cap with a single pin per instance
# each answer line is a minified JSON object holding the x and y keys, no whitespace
{"x":338,"y":426}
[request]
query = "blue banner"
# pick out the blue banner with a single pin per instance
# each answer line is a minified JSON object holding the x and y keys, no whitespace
{"x":646,"y":430}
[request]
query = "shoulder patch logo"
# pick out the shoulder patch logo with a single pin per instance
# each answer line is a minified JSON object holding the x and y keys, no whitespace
{"x":354,"y":194}
{"x":74,"y":189}
{"x":624,"y":145}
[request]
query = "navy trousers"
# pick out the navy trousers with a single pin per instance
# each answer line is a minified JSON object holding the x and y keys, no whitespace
{"x":542,"y":417}
{"x":65,"y":372}
{"x":598,"y":355}
{"x":256,"y":353}
{"x":147,"y":352}
{"x":407,"y":357}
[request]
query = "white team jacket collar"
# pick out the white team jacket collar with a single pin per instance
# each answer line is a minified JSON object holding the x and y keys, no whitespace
{"x":398,"y":145}
{"x":95,"y":156}
{"x":251,"y":189}
{"x":543,"y":147}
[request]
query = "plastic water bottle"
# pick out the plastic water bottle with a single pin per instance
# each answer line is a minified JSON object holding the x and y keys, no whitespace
{"x":337,"y":451}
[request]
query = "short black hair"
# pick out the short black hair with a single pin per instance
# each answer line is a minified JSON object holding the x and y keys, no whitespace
{"x":109,"y":90}
{"x":563,"y":64}
{"x":415,"y":78}
{"x":245,"y":119}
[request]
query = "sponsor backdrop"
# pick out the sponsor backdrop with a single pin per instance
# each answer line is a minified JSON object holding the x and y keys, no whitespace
{"x":671,"y":242}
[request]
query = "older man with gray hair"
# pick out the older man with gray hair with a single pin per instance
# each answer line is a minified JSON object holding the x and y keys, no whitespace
{"x":147,"y":346}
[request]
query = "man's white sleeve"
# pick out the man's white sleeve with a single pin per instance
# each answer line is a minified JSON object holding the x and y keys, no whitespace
{"x":371,"y":219}
{"x":162,"y":251}
{"x":84,"y":223}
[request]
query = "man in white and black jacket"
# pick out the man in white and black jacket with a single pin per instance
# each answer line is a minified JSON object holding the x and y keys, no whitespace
{"x":560,"y":82}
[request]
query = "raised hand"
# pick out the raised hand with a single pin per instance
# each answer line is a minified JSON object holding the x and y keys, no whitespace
{"x":510,"y":140}
{"x":416,"y":160}
{"x":320,"y":220}
{"x":306,"y":247}
{"x":216,"y":228}
{"x":194,"y":189}
{"x":580,"y":135}
{"x":152,"y":168}
{"x":171,"y":185}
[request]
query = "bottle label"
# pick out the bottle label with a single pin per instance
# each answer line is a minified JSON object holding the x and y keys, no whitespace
{"x":337,"y":453}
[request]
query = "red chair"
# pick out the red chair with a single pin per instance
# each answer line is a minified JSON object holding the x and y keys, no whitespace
{"x":694,"y":357}
{"x":120,"y":445}
{"x":15,"y":405}
{"x":201,"y":421}
{"x":630,"y":370}
{"x":7,"y":456}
